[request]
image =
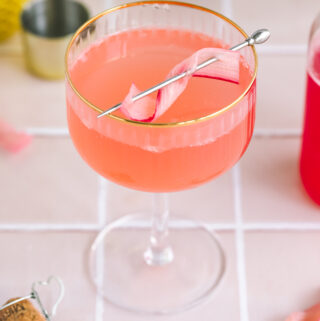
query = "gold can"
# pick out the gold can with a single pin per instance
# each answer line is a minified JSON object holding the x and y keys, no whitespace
{"x":47,"y":27}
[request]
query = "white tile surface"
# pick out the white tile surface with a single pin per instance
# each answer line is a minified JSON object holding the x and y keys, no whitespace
{"x":272,"y":226}
{"x":288,"y":20}
{"x":211,"y":202}
{"x":280,"y":91}
{"x":281,"y":273}
{"x":29,"y":257}
{"x":28,"y":101}
{"x":47,"y":182}
{"x":271,"y":186}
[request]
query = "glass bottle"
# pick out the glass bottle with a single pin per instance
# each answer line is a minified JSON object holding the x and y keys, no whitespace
{"x":310,"y":151}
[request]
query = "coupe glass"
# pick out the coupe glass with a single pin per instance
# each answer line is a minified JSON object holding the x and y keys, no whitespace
{"x":135,"y":263}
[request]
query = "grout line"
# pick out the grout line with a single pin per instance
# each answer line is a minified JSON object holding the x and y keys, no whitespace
{"x":277,"y":133}
{"x":221,"y":227}
{"x":99,"y":313}
{"x":240,"y":248}
{"x":34,"y":227}
{"x":227,"y":8}
{"x":41,"y":227}
{"x":102,"y":201}
{"x":283,"y":226}
{"x":296,"y":50}
{"x":259,"y":132}
{"x":99,"y":306}
{"x":48,"y":132}
{"x":102,"y":219}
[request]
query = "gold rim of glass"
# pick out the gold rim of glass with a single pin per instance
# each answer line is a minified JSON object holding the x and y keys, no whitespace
{"x":173,"y":124}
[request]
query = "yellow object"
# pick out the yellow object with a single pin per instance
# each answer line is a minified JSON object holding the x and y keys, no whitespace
{"x":9,"y":17}
{"x":45,"y":56}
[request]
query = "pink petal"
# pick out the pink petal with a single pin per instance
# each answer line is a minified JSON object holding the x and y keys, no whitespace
{"x":227,"y":68}
{"x":11,"y":140}
{"x":311,"y":314}
{"x":297,"y":316}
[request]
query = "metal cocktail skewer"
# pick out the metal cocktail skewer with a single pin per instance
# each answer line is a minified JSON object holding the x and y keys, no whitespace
{"x":258,"y":37}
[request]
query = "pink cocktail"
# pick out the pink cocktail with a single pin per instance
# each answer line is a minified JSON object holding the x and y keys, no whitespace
{"x":203,"y":134}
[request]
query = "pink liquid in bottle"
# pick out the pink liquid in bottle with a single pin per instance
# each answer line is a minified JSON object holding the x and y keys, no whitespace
{"x":310,"y":152}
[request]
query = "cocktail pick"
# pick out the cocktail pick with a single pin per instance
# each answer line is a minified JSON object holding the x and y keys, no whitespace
{"x":258,"y":37}
{"x":35,"y":295}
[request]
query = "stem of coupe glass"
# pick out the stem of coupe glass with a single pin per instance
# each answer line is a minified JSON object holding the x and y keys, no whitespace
{"x":159,"y":251}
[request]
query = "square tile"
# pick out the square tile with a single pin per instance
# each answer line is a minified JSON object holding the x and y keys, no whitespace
{"x":289,"y":21}
{"x":29,"y":101}
{"x":211,"y":202}
{"x":68,"y":262}
{"x":282,"y":273}
{"x":223,"y":305}
{"x":35,"y":256}
{"x":280,"y":91}
{"x":47,"y":183}
{"x":271,"y":186}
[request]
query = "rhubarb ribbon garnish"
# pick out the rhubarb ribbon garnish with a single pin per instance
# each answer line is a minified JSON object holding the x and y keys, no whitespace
{"x":147,"y":109}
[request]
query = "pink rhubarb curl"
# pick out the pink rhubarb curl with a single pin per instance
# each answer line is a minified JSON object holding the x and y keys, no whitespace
{"x":147,"y":109}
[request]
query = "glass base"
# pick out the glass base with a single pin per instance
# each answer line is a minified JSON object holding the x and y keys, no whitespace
{"x":122,"y":276}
